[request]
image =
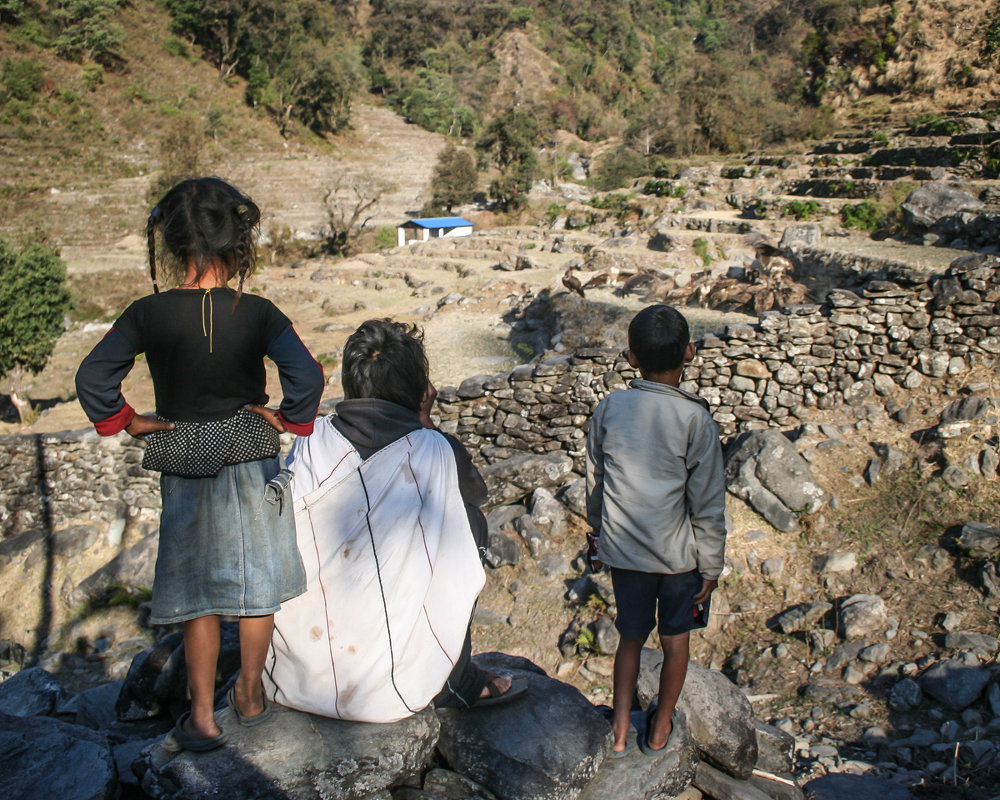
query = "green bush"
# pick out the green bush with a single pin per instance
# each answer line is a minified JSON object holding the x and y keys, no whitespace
{"x":385,"y":239}
{"x":663,"y":188}
{"x":617,"y":169}
{"x":865,"y":216}
{"x":21,"y":80}
{"x":92,"y":76}
{"x":701,"y":250}
{"x":800,"y":209}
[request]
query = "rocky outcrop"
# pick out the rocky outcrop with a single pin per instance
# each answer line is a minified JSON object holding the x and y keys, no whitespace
{"x":551,"y":744}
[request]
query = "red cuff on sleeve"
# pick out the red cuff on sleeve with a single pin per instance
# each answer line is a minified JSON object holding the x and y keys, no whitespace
{"x":298,"y":428}
{"x":116,"y":422}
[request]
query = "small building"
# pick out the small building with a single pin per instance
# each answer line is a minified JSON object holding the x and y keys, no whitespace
{"x":420,"y":230}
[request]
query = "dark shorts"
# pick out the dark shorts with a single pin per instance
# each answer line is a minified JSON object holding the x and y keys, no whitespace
{"x":637,"y":595}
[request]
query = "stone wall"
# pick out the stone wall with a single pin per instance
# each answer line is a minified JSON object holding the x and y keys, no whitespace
{"x":850,"y":349}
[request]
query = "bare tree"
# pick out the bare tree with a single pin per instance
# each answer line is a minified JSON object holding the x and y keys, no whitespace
{"x":351,"y":203}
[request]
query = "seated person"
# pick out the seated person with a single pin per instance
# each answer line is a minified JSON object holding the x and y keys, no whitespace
{"x":390,"y":533}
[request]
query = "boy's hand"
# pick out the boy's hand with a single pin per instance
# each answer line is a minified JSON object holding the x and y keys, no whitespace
{"x":707,"y":587}
{"x":144,"y":424}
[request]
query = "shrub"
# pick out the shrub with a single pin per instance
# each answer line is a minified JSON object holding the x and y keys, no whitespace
{"x":865,"y":216}
{"x":22,"y":80}
{"x":800,"y":209}
{"x":617,"y":169}
{"x":92,"y":76}
{"x":385,"y":239}
{"x":701,"y":249}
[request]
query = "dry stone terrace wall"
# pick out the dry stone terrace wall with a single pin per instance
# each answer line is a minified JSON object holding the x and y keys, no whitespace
{"x":851,"y":349}
{"x":74,"y":484}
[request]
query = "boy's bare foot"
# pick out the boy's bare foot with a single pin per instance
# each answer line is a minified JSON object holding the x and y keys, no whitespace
{"x":656,"y":742}
{"x":246,"y":705}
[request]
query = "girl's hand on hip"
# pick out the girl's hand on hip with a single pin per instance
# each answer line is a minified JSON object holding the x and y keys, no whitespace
{"x":272,"y":416}
{"x":144,"y":424}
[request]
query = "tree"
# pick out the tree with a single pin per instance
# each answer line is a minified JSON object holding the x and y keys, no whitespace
{"x":34,"y":301}
{"x":454,"y":180}
{"x":507,"y":143}
{"x":351,"y":204}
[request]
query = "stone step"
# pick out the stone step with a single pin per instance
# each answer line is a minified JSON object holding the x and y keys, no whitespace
{"x":832,"y":187}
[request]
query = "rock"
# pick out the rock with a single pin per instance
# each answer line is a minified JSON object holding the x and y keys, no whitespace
{"x":548,"y":513}
{"x":561,"y":738}
{"x":638,"y":777}
{"x":778,"y":787}
{"x":32,"y":692}
{"x":797,"y":236}
{"x":836,"y":562}
{"x":44,"y":759}
{"x":775,"y":748}
{"x":554,"y":565}
{"x":967,"y":640}
{"x":765,"y":469}
{"x":721,"y":720}
{"x":979,"y":540}
{"x":927,"y":204}
{"x":296,"y":755}
{"x":800,"y":618}
{"x":954,"y":684}
{"x":513,"y":478}
{"x":606,"y":636}
{"x":444,"y":784}
{"x":955,"y":477}
{"x":863,"y":614}
{"x":500,"y":517}
{"x":533,"y":537}
{"x":502,"y":550}
{"x":148,"y":687}
{"x":132,"y":568}
{"x":715,"y":783}
{"x":840,"y":785}
{"x":574,"y":495}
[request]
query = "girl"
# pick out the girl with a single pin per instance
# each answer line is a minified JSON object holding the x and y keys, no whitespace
{"x":223,"y":550}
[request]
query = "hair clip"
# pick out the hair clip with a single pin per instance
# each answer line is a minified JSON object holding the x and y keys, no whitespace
{"x":156,"y":213}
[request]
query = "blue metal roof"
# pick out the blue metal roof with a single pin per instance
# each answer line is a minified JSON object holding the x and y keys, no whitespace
{"x":440,"y":222}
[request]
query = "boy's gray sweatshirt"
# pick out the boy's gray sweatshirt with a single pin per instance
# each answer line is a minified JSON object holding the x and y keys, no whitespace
{"x":655,"y":483}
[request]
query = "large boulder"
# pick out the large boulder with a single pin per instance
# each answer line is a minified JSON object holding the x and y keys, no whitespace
{"x":925,"y":205}
{"x":839,"y":785}
{"x":718,"y":714}
{"x":516,"y":477}
{"x":548,"y":744}
{"x":294,"y":755}
{"x":638,"y":777}
{"x":42,"y":758}
{"x":32,"y":692}
{"x":766,"y":470}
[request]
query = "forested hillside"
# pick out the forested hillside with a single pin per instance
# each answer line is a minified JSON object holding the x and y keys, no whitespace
{"x":661,"y":79}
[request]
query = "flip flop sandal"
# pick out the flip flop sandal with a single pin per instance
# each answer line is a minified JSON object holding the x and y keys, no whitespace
{"x":179,"y":739}
{"x":245,"y":721}
{"x":518,"y":687}
{"x":644,"y":745}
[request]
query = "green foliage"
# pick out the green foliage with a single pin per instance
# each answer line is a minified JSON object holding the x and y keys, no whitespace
{"x":701,"y":250}
{"x":175,"y":46}
{"x":617,"y":169}
{"x":86,"y":30}
{"x":865,"y":216}
{"x":296,"y":57}
{"x":92,"y":76}
{"x":989,"y":44}
{"x":385,"y":239}
{"x":519,"y":15}
{"x":433,"y":104}
{"x":181,"y":152}
{"x":800,"y":209}
{"x":881,"y":138}
{"x":34,"y":301}
{"x":21,"y":81}
{"x":933,"y":125}
{"x":454,"y":180}
{"x":619,"y":204}
{"x":658,"y":187}
{"x":507,"y":144}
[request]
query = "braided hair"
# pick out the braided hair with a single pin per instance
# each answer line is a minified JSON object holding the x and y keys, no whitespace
{"x":208,"y":221}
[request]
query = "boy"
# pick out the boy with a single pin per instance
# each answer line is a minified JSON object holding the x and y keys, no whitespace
{"x":656,"y":503}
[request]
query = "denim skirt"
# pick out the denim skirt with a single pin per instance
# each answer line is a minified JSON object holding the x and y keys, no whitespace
{"x":225,"y":548}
